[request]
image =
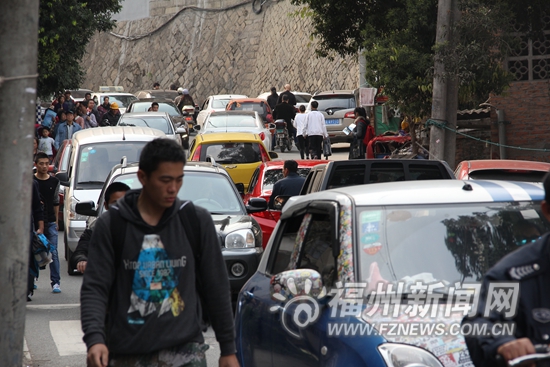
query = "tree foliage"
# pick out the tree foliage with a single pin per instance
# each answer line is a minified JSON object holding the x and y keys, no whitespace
{"x":65,"y":29}
{"x":398,"y":39}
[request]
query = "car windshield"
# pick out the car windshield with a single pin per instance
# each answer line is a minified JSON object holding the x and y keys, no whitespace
{"x":273,"y":175}
{"x":222,"y":121}
{"x":338,"y":101}
{"x":220,"y":103}
{"x":507,"y":175}
{"x":441,"y":243}
{"x":163,"y":107}
{"x":233,"y":153}
{"x":154,"y":122}
{"x":248,"y":106}
{"x":95,"y":161}
{"x":122,"y":101}
{"x":214,"y":192}
{"x":172,"y":94}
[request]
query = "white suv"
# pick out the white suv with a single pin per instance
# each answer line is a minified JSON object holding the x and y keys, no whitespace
{"x":215,"y":103}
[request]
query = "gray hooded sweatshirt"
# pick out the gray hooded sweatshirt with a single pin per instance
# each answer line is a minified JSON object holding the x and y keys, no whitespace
{"x":149,"y":300}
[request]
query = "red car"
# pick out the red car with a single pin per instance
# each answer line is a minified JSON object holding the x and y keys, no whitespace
{"x":502,"y":169}
{"x":261,"y":186}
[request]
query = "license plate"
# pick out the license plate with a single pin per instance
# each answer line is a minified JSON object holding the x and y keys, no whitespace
{"x":332,"y":122}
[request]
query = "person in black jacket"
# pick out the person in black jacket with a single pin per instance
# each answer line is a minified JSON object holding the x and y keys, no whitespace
{"x":139,"y":298}
{"x":111,"y":118}
{"x":286,"y":112}
{"x":273,"y":98}
{"x":289,"y":94}
{"x":114,"y":191}
{"x":527,"y":268}
{"x":37,"y":225}
{"x":290,"y":185}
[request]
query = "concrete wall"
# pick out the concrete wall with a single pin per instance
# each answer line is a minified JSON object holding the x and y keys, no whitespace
{"x":230,"y":51}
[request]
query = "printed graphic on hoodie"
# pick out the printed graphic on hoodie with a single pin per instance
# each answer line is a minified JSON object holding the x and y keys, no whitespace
{"x":154,"y":288}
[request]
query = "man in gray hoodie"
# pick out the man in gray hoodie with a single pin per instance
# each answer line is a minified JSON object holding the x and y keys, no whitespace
{"x":139,"y":299}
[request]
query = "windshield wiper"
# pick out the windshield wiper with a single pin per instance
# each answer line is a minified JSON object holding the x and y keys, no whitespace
{"x":124,"y":124}
{"x":90,"y":182}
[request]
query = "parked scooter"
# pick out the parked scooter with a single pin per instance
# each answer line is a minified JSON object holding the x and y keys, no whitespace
{"x":281,"y":136}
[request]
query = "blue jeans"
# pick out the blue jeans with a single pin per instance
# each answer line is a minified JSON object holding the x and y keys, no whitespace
{"x":50,"y":232}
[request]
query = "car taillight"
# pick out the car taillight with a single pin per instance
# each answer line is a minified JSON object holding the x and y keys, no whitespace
{"x":262,"y":136}
{"x":265,"y":156}
{"x":197,"y":154}
{"x":349,"y":115}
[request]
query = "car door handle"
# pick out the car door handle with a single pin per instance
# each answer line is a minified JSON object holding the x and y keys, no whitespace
{"x":249,"y":296}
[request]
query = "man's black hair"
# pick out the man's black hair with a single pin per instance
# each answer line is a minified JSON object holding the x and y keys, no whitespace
{"x":158,"y":151}
{"x":302,"y":108}
{"x":41,"y":155}
{"x":157,"y":84}
{"x":89,"y":101}
{"x":546,"y":185}
{"x":273,"y":89}
{"x":115,"y":187}
{"x":173,"y":87}
{"x":291,"y":165}
{"x":88,"y":94}
{"x":154,"y":104}
{"x":285,"y":98}
{"x":314,"y":104}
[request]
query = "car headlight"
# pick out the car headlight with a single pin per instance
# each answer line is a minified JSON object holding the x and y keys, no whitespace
{"x":240,"y":239}
{"x":72,"y":211}
{"x":403,"y":355}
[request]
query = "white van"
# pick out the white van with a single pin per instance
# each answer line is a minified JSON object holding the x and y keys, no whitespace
{"x":93,"y":153}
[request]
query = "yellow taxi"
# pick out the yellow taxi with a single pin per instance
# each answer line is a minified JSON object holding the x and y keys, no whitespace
{"x":238,"y":153}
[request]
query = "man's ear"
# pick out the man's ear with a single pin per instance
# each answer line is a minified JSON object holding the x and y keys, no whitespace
{"x":545,"y":209}
{"x":142,"y":177}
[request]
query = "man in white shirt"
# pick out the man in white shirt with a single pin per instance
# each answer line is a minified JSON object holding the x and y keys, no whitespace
{"x":315,"y":130}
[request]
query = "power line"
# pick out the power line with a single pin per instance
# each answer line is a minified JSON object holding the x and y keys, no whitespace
{"x":444,"y":126}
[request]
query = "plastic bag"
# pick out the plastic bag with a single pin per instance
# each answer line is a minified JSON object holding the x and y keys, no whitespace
{"x":327,"y":149}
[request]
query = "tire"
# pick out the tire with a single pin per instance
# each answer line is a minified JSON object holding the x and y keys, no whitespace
{"x":289,"y":145}
{"x":282,"y":148}
{"x":68,"y":255}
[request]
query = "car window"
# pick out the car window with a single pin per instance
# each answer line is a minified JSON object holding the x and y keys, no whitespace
{"x":221,"y":121}
{"x":302,"y":98}
{"x":205,"y":104}
{"x":220,"y":103}
{"x":234,"y":153}
{"x":507,"y":175}
{"x":163,"y":107}
{"x":164,"y":94}
{"x":335,"y":101}
{"x":464,"y":240}
{"x":216,"y":192}
{"x":284,"y":245}
{"x":425,"y":172}
{"x":249,"y":106}
{"x":95,"y":161}
{"x":273,"y":175}
{"x":122,"y":101}
{"x":253,"y":180}
{"x":154,"y":122}
{"x":347,"y":176}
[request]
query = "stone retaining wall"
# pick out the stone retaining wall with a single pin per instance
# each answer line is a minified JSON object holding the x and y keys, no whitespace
{"x":232,"y":51}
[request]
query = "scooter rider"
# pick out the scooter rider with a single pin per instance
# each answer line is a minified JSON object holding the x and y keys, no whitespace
{"x":286,"y":112}
{"x":528,"y":268}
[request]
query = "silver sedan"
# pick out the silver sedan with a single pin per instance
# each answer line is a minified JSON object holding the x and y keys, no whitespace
{"x":236,"y":121}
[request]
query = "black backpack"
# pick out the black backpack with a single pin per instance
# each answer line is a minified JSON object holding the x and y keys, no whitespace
{"x":188,"y":215}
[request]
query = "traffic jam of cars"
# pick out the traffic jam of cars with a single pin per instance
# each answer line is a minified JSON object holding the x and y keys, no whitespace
{"x":341,"y":273}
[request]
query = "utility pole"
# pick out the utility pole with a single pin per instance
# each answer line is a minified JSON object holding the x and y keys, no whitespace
{"x":452,"y":97}
{"x":18,"y":67}
{"x":440,"y":88}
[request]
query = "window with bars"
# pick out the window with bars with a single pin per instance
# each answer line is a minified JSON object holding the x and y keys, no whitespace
{"x":530,"y":59}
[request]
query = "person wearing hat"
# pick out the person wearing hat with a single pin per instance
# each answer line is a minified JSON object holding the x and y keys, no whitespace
{"x":111,"y":118}
{"x":66,"y":129}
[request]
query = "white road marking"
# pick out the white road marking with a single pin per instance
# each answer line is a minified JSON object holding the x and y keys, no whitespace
{"x":67,"y":336}
{"x":53,"y":306}
{"x":26,"y":354}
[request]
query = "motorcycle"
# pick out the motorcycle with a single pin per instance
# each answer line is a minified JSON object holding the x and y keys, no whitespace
{"x":189,"y":115}
{"x":281,"y":135}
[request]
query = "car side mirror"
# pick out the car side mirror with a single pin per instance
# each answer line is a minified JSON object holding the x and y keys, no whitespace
{"x":293,"y":283}
{"x":273,"y":155}
{"x":196,"y":127}
{"x":181,"y":131}
{"x":280,"y":201}
{"x":271,"y":126}
{"x":240,"y":188}
{"x":86,"y":208}
{"x":256,"y":205}
{"x":63,"y":178}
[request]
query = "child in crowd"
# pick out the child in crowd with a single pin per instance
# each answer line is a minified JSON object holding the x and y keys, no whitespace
{"x":46,"y":144}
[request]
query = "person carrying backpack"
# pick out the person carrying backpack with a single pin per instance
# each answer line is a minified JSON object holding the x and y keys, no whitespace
{"x":151,"y":260}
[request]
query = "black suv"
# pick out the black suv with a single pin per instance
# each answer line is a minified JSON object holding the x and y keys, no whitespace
{"x":209,"y":186}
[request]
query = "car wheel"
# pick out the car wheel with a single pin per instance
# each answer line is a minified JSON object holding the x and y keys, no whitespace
{"x":282,"y":148}
{"x":68,"y":255}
